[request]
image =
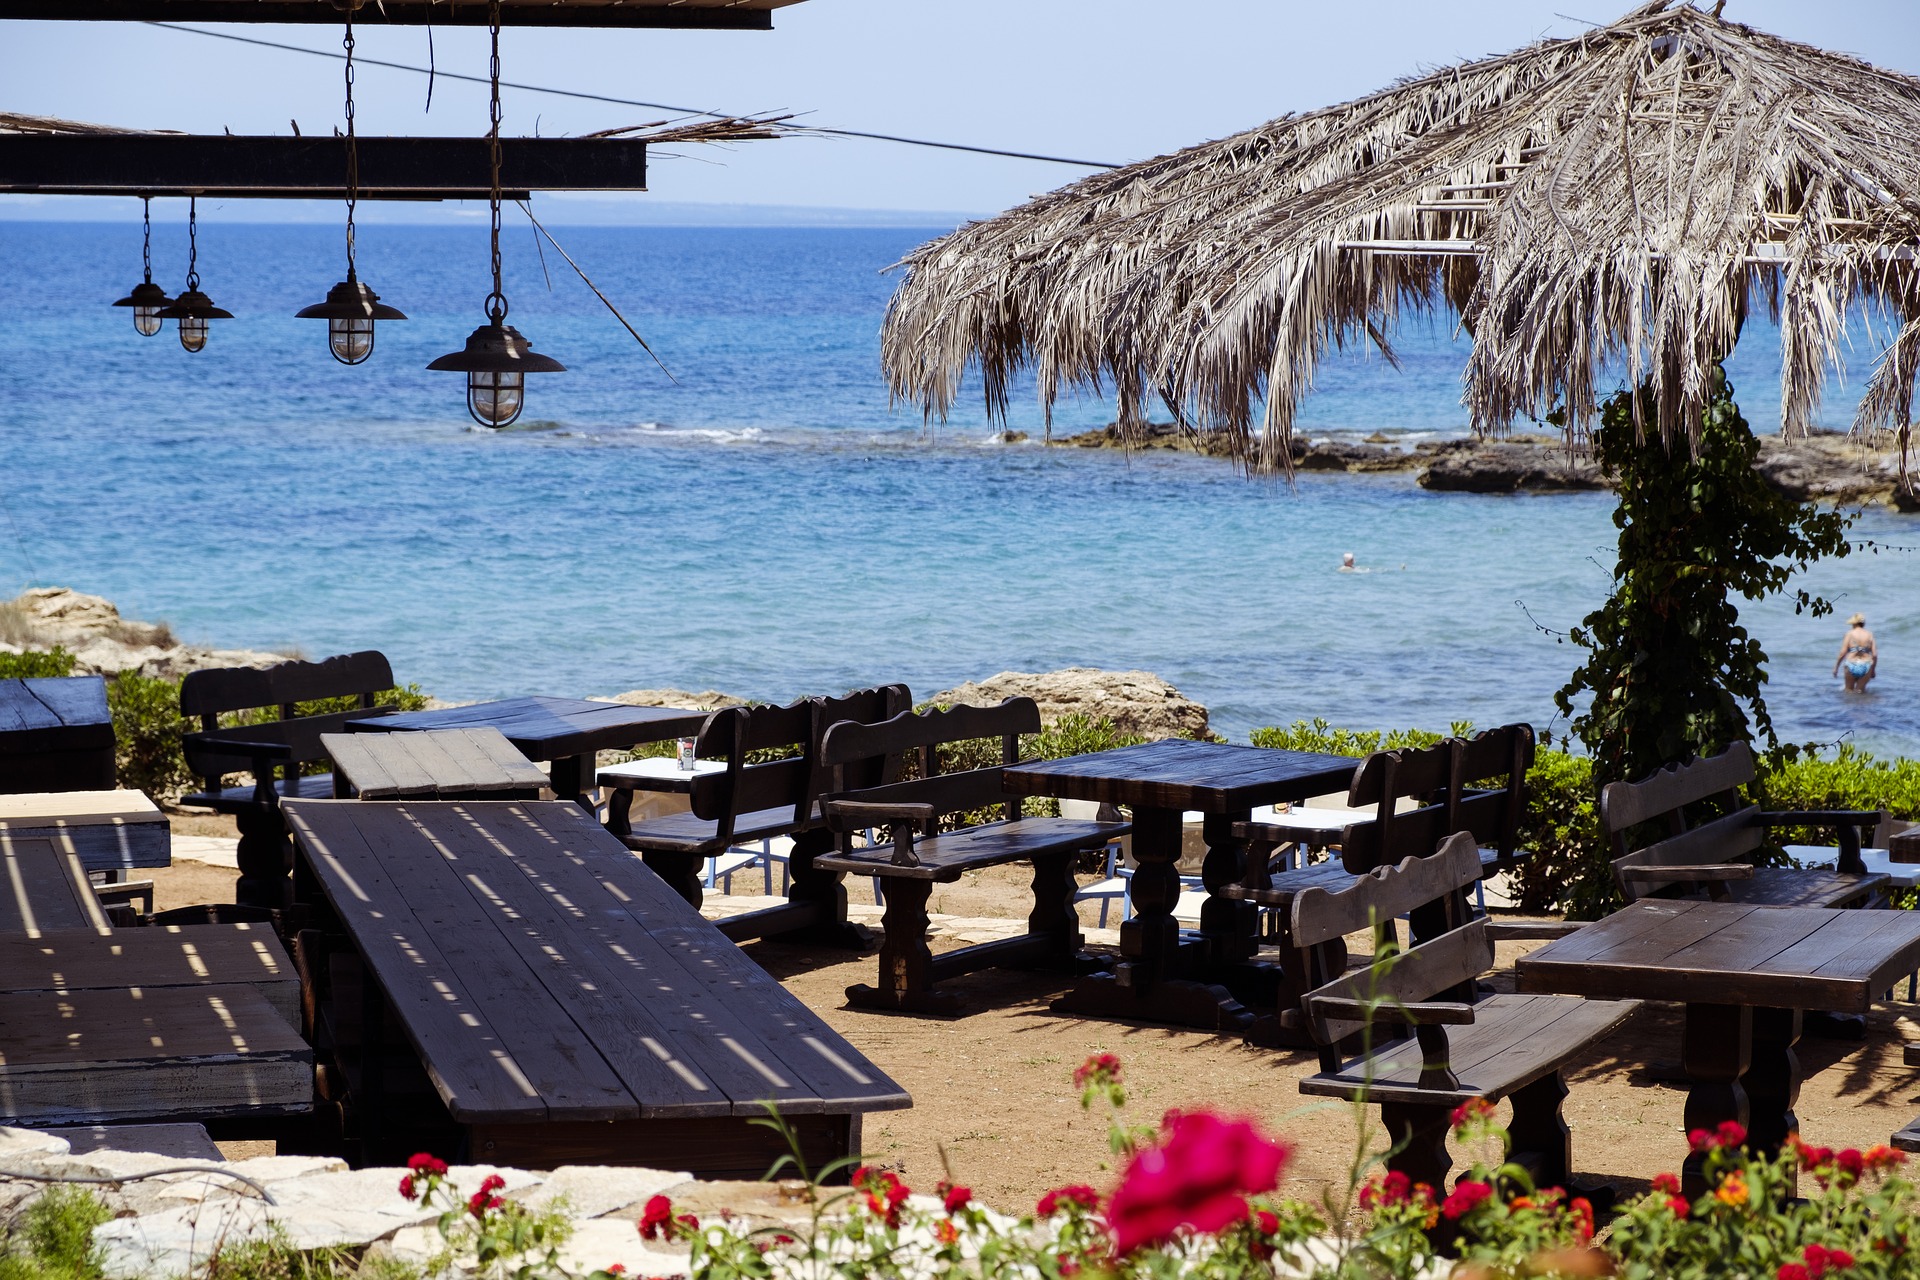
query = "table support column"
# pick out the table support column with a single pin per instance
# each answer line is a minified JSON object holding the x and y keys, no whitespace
{"x":1716,"y":1047}
{"x":1229,"y":930}
{"x":570,"y":776}
{"x":1772,"y":1080}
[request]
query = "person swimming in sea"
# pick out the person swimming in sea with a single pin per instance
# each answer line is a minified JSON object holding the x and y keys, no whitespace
{"x":1858,"y":654}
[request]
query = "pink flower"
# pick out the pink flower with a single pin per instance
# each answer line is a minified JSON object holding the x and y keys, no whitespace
{"x":1792,"y":1271}
{"x":1198,"y":1175}
{"x":1060,"y":1198}
{"x":1464,"y":1196}
{"x":1469,"y":1111}
{"x":1731,"y":1133}
{"x":427,"y":1165}
{"x":1099,"y":1068}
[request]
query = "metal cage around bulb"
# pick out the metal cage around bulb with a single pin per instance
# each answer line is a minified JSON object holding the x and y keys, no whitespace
{"x":146,"y":300}
{"x":193,"y":309}
{"x":350,"y":311}
{"x":496,"y":359}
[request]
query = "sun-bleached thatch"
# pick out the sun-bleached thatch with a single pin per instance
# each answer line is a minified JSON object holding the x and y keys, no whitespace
{"x":1596,"y":210}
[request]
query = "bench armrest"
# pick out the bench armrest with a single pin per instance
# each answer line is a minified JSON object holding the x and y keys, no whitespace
{"x":1426,"y":1013}
{"x":1716,"y":871}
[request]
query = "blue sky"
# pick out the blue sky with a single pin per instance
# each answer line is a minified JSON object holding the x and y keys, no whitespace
{"x":1102,"y":79}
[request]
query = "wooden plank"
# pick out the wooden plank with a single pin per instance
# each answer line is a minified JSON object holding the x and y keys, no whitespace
{"x":148,"y":1053}
{"x":408,"y":767}
{"x":490,"y":759}
{"x":44,"y":889}
{"x":1877,"y":955}
{"x":1320,"y":914}
{"x":160,"y":956}
{"x":1641,"y":924}
{"x":1628,"y":804}
{"x":77,"y":808}
{"x":58,"y":714}
{"x":1179,"y":774}
{"x":552,"y":728}
{"x":478,"y":1070}
{"x":1784,"y":887}
{"x":731,"y":1009}
{"x":947,"y":856}
{"x":355,"y":762}
{"x":850,"y":740}
{"x":1419,"y":972}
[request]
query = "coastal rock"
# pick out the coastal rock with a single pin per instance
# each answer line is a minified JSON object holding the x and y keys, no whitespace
{"x":1830,"y":468}
{"x":104,"y":643}
{"x":1507,"y":466}
{"x":1137,"y":702}
{"x":705,"y":700}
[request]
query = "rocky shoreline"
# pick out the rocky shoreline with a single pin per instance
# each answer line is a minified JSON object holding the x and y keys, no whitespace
{"x":1823,"y":468}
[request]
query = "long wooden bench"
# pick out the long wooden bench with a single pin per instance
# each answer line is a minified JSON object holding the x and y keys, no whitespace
{"x":922,"y":855}
{"x":284,"y":746}
{"x":1507,"y":1046}
{"x":756,"y":798}
{"x":1717,"y":855}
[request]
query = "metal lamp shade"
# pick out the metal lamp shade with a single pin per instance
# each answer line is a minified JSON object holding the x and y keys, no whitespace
{"x":193,"y":309}
{"x":496,"y":359}
{"x":350,"y":310}
{"x":146,"y":300}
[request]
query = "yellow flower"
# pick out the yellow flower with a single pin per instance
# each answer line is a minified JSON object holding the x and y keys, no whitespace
{"x":1732,"y":1190}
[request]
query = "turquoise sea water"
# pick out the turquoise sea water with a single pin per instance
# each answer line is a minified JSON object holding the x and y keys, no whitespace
{"x":767,"y":525}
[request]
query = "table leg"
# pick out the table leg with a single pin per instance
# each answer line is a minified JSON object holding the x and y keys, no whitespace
{"x":571,"y":775}
{"x":1716,"y":1047}
{"x":1229,"y":930}
{"x":1772,"y":1080}
{"x":1145,"y":985}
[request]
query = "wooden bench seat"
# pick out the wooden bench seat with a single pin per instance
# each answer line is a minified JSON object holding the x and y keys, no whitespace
{"x":691,"y":834}
{"x":1509,"y":1047}
{"x":921,"y":855}
{"x":310,"y":786}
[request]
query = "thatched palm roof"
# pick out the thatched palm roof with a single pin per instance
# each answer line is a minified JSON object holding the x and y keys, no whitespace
{"x":1610,"y":202}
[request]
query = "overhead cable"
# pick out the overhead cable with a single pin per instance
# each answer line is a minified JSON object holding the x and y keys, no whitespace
{"x":631,"y":102}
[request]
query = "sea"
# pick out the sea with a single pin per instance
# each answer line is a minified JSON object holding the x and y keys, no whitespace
{"x":750,"y":513}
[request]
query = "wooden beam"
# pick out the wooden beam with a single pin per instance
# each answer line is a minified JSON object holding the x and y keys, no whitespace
{"x":160,"y":164}
{"x":708,"y":15}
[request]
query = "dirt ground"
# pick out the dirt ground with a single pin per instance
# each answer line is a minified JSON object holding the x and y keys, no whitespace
{"x":994,"y":1103}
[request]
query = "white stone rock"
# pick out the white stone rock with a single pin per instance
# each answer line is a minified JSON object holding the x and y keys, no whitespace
{"x":593,"y":1190}
{"x":15,"y":1143}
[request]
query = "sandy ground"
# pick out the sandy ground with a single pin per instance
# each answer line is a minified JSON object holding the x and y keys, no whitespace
{"x":995,"y":1105}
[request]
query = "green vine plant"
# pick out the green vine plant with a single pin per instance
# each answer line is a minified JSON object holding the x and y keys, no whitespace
{"x":1670,"y":671}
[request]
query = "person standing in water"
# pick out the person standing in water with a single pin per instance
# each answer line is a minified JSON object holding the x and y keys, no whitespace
{"x":1858,"y":654}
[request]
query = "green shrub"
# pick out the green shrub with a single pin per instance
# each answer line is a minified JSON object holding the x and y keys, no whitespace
{"x":1318,"y":735}
{"x":36,"y":664}
{"x":52,"y":1238}
{"x":147,"y":725}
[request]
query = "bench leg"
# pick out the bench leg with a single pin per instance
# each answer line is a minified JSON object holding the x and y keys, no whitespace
{"x":1539,"y":1128}
{"x":1420,"y":1133}
{"x":1772,"y":1080}
{"x":265,"y":854}
{"x":906,"y":962}
{"x":681,"y":871}
{"x":1716,"y":1047}
{"x":825,"y":890}
{"x":1053,"y":916}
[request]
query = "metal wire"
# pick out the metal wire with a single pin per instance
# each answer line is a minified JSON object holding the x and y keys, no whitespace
{"x":353,"y":149}
{"x":146,"y":237}
{"x":497,"y":300}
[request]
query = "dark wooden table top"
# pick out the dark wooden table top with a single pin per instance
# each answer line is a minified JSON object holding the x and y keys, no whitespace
{"x":430,"y":764}
{"x":1704,"y":952}
{"x":1213,"y":777}
{"x":106,"y":830}
{"x":66,"y":713}
{"x":543,"y":973}
{"x":551,"y":728}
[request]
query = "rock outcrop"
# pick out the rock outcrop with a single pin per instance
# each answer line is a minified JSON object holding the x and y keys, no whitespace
{"x":1137,"y":702}
{"x":104,"y":643}
{"x":1531,"y":464}
{"x":705,"y":700}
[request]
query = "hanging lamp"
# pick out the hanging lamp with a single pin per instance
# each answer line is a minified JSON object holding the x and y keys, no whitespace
{"x":193,"y":308}
{"x":351,"y":307}
{"x":497,"y":356}
{"x":147,"y":297}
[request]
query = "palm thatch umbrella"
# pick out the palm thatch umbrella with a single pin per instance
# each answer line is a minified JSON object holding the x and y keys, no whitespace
{"x":1594,"y":207}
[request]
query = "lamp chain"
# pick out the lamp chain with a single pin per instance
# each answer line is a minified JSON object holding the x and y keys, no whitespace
{"x":353,"y":149}
{"x":193,"y":243}
{"x":497,"y":301}
{"x":146,"y":237}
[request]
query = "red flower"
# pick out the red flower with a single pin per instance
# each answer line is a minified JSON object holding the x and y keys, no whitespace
{"x":1731,"y":1133}
{"x":1469,"y":1111}
{"x":1850,"y":1162}
{"x":1884,"y":1157}
{"x":1666,"y":1183}
{"x":1068,"y":1267}
{"x":1792,"y":1271}
{"x":1464,"y":1196}
{"x":1099,"y":1068}
{"x":406,"y":1187}
{"x":1198,"y":1175}
{"x":656,"y":1222}
{"x":1821,"y":1259}
{"x":425,"y":1164}
{"x":1699,"y":1140}
{"x":1678,"y":1206}
{"x":1065,"y":1197}
{"x":945,"y":1232}
{"x":956,"y":1198}
{"x":484,"y":1199}
{"x":885,"y":1193}
{"x":782,"y":1238}
{"x":1266,"y":1222}
{"x":1394,"y":1187}
{"x":1582,"y":1210}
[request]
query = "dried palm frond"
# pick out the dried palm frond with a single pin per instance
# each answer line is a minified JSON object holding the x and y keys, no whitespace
{"x":717,"y":129}
{"x":1610,"y":203}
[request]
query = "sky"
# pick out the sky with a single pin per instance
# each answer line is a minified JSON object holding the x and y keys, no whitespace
{"x":1105,"y":80}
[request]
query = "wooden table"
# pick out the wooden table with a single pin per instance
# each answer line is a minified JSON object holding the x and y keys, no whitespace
{"x":1161,"y":979}
{"x":109,"y":831}
{"x":567,"y":731}
{"x":1745,"y":973}
{"x":55,"y":734}
{"x":566,"y":1005}
{"x":431,"y":764}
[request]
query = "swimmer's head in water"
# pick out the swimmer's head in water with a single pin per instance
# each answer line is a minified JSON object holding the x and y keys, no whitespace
{"x":1857,"y":620}
{"x":1346,"y":559}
